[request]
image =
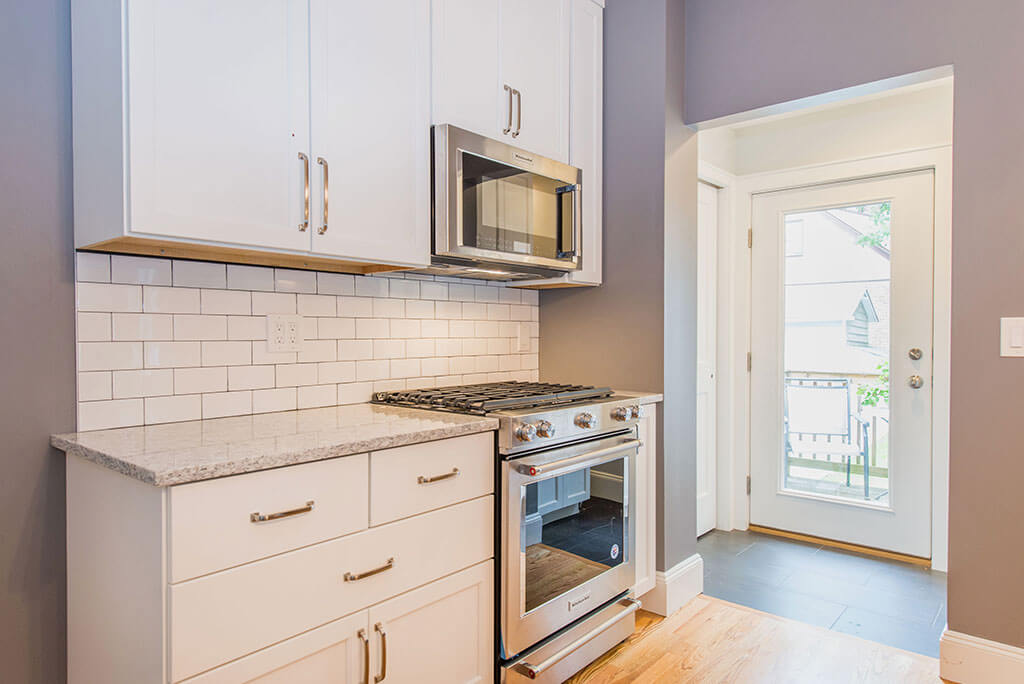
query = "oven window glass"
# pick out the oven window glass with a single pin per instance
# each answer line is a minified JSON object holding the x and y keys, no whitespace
{"x":573,"y":529}
{"x":506,"y":209}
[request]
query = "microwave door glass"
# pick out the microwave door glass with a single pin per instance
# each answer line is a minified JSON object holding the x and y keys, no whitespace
{"x":572,"y":531}
{"x":508,"y":210}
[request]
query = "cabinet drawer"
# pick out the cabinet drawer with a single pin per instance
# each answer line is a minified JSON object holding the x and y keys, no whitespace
{"x":227,"y":615}
{"x":421,"y":477}
{"x":213,"y":527}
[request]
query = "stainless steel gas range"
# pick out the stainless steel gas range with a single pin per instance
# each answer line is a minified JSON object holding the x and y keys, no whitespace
{"x":565,"y":461}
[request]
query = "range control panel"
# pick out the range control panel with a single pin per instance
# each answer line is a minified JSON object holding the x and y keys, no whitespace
{"x":531,"y":429}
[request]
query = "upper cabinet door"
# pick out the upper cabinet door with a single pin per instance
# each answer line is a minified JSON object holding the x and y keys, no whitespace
{"x":371,"y":129}
{"x":534,"y":50}
{"x":467,"y":89}
{"x":218,"y":109}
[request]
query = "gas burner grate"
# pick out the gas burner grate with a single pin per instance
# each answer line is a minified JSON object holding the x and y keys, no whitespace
{"x":492,"y":396}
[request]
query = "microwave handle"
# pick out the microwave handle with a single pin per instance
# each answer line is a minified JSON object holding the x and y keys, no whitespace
{"x":575,"y":189}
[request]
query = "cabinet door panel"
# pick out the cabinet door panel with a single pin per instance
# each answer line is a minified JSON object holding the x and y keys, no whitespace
{"x":586,"y":129}
{"x":534,"y":38}
{"x":371,"y":124}
{"x":218,"y":115}
{"x":467,"y":91}
{"x":574,"y":488}
{"x":443,"y":632}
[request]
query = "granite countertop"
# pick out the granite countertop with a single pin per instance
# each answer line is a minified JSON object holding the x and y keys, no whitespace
{"x":178,"y":453}
{"x":641,"y":397}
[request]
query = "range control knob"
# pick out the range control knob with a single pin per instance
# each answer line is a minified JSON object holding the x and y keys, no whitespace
{"x":544,"y":428}
{"x":622,"y":413}
{"x":525,"y":432}
{"x":585,"y":420}
{"x":635,"y":411}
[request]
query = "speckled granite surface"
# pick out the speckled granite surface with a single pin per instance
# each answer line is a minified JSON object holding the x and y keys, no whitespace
{"x":177,"y":453}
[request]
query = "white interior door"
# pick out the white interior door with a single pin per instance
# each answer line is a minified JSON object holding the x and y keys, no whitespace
{"x":841,"y":295}
{"x":371,"y":129}
{"x":707,"y":323}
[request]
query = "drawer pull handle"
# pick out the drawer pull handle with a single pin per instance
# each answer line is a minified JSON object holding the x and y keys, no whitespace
{"x":349,"y":577}
{"x":260,"y":517}
{"x":437,"y":478}
{"x":366,"y":653}
{"x":379,"y":629}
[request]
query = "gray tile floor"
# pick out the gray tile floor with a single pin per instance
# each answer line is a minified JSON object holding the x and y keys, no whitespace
{"x":892,"y":603}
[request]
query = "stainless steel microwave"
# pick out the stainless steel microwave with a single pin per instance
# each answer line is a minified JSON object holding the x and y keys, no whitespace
{"x":502,"y":213}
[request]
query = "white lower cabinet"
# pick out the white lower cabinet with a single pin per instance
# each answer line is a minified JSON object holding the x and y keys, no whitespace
{"x":646,"y":495}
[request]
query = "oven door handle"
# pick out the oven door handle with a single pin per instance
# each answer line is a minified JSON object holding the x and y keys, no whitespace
{"x":597,"y":454}
{"x":534,"y":671}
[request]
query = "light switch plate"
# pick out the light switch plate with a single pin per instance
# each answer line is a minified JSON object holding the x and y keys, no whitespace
{"x":1011,"y":336}
{"x":284,"y":333}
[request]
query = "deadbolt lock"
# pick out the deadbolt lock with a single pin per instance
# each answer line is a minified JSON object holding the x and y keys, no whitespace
{"x":915,"y":354}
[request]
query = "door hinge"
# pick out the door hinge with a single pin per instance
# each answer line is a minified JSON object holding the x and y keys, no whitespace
{"x":748,"y":485}
{"x":750,"y":362}
{"x":750,"y":238}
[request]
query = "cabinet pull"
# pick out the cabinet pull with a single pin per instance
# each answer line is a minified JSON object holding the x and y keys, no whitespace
{"x":509,"y":126}
{"x":437,"y":478}
{"x":305,"y":172}
{"x":519,"y":112}
{"x":323,"y":162}
{"x":366,"y":654}
{"x":349,"y":577}
{"x":379,"y":628}
{"x":258,"y":517}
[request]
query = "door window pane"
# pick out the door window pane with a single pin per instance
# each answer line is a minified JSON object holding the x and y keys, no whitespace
{"x":836,"y":381}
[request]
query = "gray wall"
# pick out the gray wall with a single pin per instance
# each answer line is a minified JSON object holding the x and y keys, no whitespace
{"x":37,"y":364}
{"x":744,"y":54}
{"x":617,"y":334}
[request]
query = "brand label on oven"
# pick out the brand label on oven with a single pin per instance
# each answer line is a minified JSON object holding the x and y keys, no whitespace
{"x":615,"y":551}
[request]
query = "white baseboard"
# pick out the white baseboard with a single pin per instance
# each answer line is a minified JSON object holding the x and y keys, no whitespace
{"x":968,"y":659}
{"x":675,"y":587}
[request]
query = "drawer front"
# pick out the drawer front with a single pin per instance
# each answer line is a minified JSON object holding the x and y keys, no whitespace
{"x":212,"y":526}
{"x":224,"y":616}
{"x":422,"y":477}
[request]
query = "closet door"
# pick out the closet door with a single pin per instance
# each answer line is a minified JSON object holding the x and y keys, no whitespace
{"x":371,"y":129}
{"x":218,"y":113}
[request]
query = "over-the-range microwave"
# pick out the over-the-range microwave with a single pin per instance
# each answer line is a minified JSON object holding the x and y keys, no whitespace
{"x":501,"y":213}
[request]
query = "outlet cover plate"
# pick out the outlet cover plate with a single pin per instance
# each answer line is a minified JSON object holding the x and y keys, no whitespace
{"x":284,"y":333}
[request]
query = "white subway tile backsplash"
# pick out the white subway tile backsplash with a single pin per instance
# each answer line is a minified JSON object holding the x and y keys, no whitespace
{"x":128,"y":384}
{"x":173,"y":409}
{"x":108,"y":297}
{"x":153,"y":353}
{"x":200,"y":380}
{"x":252,"y":278}
{"x":92,"y":268}
{"x":136,"y":270}
{"x":199,"y":274}
{"x":335,"y":283}
{"x":530,"y":297}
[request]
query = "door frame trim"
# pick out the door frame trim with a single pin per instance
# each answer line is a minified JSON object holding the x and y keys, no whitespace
{"x":734,"y":320}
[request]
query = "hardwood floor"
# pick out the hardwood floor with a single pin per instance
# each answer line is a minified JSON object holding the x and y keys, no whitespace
{"x":712,"y":641}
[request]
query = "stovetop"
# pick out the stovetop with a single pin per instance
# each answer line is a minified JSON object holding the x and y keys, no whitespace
{"x":493,"y":396}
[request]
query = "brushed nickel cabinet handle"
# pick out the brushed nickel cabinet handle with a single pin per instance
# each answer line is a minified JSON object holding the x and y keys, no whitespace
{"x":509,"y":126}
{"x":323,"y":162}
{"x":304,"y":226}
{"x":258,"y":517}
{"x":437,"y":478}
{"x":379,"y":629}
{"x":350,"y":577}
{"x":366,"y":654}
{"x":519,"y":112}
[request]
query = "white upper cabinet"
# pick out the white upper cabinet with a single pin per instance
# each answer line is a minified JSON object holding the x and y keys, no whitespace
{"x":501,"y":69}
{"x":371,"y":129}
{"x":217,"y":116}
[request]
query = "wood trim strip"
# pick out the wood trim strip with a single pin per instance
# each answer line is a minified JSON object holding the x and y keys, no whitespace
{"x":845,"y":546}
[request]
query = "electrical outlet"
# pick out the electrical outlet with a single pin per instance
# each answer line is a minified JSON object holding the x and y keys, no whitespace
{"x":284,"y":333}
{"x":522,"y":338}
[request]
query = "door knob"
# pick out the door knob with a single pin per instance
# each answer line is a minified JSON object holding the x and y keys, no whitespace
{"x":915,"y":354}
{"x":916,"y":381}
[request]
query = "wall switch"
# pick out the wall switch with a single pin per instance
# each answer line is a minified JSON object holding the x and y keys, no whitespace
{"x":284,"y":333}
{"x":522,"y":338}
{"x":1011,"y":336}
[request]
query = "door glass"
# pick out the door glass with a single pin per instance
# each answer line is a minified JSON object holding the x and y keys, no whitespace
{"x":510,"y":210}
{"x":572,"y":530}
{"x":836,"y":380}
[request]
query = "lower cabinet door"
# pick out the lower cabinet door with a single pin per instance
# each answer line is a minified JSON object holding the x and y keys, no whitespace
{"x":337,"y":653}
{"x":442,"y":632}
